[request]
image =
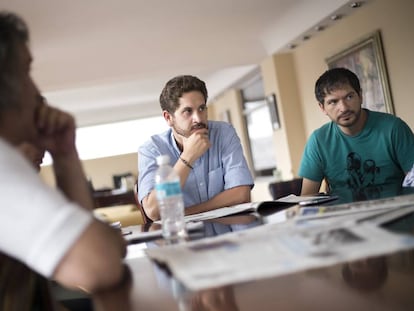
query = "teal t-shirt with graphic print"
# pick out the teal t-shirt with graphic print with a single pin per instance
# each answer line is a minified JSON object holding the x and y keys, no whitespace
{"x":379,"y":155}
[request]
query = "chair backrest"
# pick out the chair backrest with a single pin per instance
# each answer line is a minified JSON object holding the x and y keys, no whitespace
{"x":283,"y":188}
{"x":144,"y":216}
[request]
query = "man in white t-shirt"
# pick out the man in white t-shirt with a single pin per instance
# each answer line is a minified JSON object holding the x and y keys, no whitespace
{"x":34,"y":153}
{"x":409,"y":178}
{"x":52,"y":231}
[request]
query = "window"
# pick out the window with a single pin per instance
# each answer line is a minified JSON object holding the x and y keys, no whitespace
{"x":113,"y":139}
{"x":259,"y":128}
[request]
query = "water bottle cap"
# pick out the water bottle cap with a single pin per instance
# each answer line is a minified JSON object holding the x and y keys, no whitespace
{"x":163,"y":159}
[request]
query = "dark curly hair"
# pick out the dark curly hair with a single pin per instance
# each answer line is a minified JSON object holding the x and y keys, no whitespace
{"x":176,"y":87}
{"x":333,"y":79}
{"x":13,"y":32}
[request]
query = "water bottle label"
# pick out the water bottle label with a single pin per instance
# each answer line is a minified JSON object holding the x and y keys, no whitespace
{"x":168,"y":189}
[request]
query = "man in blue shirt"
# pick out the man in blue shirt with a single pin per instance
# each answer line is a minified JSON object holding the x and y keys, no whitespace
{"x":207,"y":155}
{"x":360,"y":151}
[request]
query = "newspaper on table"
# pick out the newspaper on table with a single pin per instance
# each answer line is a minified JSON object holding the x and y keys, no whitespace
{"x":344,"y":209}
{"x":134,"y":234}
{"x":255,"y":206}
{"x":277,"y":249}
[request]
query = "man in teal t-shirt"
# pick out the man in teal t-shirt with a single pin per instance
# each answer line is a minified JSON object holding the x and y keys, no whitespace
{"x":360,"y":151}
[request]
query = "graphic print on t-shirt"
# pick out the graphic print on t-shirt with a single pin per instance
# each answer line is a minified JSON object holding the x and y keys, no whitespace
{"x":361,"y":173}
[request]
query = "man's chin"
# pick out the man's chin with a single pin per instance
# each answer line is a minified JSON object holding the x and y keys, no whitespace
{"x":350,"y":120}
{"x":347,"y":123}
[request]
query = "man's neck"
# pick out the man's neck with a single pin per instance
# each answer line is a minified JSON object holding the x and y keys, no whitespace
{"x":178,"y":140}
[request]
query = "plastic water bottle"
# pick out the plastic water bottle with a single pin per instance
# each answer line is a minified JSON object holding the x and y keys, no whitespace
{"x":170,"y":200}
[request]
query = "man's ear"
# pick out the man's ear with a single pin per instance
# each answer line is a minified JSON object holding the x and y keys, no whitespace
{"x":322,"y":107}
{"x":168,"y":117}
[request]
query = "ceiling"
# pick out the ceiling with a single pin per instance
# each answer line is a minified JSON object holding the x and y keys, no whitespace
{"x":107,"y":60}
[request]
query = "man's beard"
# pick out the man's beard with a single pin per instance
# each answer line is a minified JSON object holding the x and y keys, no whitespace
{"x":186,"y":133}
{"x":356,"y":116}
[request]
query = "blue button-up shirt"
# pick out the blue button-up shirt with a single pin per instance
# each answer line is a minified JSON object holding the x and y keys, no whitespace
{"x":223,"y":166}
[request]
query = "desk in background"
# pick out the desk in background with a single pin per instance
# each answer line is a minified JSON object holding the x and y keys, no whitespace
{"x":118,"y":205}
{"x":111,"y":197}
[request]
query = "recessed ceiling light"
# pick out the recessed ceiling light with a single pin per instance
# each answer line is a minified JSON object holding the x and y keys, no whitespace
{"x":336,"y":17}
{"x":355,"y":5}
{"x":306,"y":37}
{"x":319,"y":28}
{"x":292,"y":46}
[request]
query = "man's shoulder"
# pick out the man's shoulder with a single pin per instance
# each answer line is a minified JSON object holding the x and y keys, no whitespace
{"x":6,"y":149}
{"x":324,"y":130}
{"x":156,"y":140}
{"x":221,"y":129}
{"x":383,"y":116}
{"x":219,"y":124}
{"x":384,"y":119}
{"x":323,"y":135}
{"x":380,"y":114}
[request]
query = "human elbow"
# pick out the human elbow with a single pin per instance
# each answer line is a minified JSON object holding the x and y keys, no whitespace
{"x":245,"y":195}
{"x":152,"y":213}
{"x":94,"y":261}
{"x":153,"y":216}
{"x":91,"y":279}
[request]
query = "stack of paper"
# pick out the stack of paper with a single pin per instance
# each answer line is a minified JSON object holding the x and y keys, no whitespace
{"x":274,"y":250}
{"x":255,"y":206}
{"x":352,"y":231}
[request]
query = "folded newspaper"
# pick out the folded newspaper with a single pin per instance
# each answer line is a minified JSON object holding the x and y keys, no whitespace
{"x":281,"y":203}
{"x":277,"y":249}
{"x":384,"y":204}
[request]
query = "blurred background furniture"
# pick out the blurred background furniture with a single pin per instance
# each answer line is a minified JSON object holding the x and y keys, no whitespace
{"x":127,"y":215}
{"x":118,"y":205}
{"x":283,"y":188}
{"x":111,"y":197}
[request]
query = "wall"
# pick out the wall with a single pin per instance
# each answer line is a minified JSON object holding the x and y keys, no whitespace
{"x":231,"y":101}
{"x":394,"y":20}
{"x":100,"y":171}
{"x":292,"y":78}
{"x":278,"y":72}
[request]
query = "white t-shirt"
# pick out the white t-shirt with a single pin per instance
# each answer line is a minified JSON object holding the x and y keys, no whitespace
{"x":38,"y":224}
{"x":409,"y":178}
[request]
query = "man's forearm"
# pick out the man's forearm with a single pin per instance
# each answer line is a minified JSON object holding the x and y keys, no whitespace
{"x":150,"y":204}
{"x":116,"y":298}
{"x":71,"y":180}
{"x":94,"y":262}
{"x":310,"y":187}
{"x":236,"y":195}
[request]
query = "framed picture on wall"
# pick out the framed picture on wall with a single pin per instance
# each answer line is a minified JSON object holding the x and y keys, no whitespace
{"x":366,"y":59}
